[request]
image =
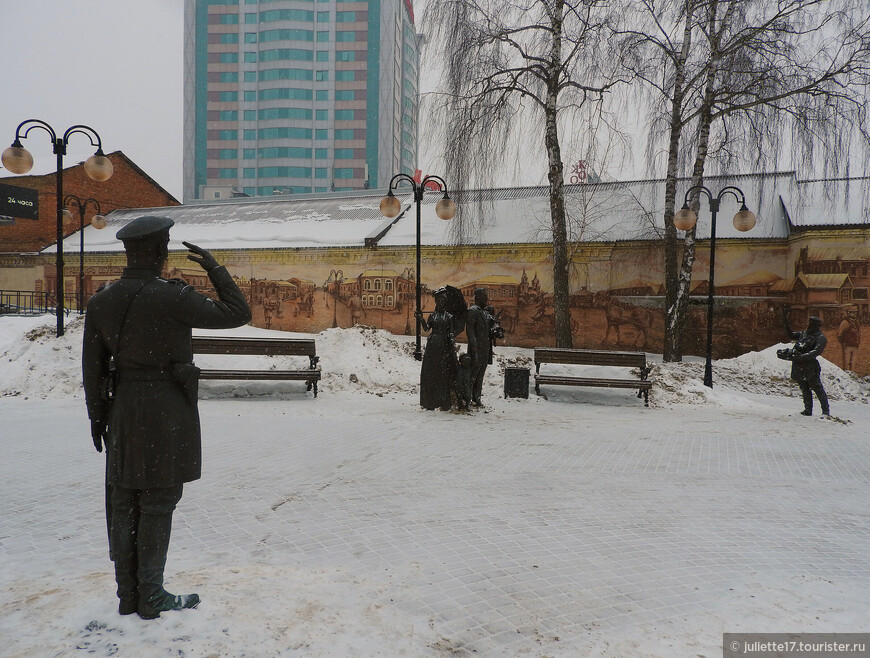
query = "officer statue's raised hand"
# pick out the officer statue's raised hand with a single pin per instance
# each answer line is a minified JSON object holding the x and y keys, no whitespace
{"x":140,"y":390}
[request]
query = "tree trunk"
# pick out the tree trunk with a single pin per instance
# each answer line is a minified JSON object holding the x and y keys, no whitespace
{"x":705,"y":119}
{"x":556,"y":177}
{"x":672,"y":349}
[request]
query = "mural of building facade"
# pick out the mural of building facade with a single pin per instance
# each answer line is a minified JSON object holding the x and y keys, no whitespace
{"x":616,"y":302}
{"x":617,"y":285}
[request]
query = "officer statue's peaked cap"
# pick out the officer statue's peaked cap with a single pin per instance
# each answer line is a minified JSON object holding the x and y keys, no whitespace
{"x":145,"y":227}
{"x":815,"y":319}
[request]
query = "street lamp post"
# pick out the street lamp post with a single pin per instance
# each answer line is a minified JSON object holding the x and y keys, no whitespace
{"x":336,"y":277}
{"x":97,"y":221}
{"x":685,"y":219}
{"x":445,"y":209}
{"x":18,"y":160}
{"x":407,"y":275}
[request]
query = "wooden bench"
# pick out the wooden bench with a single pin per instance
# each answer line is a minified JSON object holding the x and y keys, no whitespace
{"x":593,"y":358}
{"x":261,"y":346}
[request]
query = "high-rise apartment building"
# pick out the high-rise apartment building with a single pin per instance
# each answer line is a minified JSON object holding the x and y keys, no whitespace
{"x":298,"y":96}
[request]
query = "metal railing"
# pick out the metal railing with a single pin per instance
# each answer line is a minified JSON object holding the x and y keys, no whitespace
{"x":29,"y":302}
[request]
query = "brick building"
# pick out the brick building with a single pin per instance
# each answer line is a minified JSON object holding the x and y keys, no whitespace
{"x":129,"y":187}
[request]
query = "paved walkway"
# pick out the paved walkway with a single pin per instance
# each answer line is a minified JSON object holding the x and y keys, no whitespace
{"x":545,"y":541}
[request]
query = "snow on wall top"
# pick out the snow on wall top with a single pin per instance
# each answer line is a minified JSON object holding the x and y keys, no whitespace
{"x":599,"y":212}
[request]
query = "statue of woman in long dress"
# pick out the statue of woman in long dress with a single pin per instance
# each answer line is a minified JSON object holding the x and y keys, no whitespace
{"x":438,"y":371}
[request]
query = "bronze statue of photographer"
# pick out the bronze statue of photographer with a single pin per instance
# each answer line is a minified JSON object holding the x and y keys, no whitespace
{"x":805,"y":369}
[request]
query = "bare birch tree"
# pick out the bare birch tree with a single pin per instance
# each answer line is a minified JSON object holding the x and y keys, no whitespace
{"x":749,"y":82}
{"x":517,"y":61}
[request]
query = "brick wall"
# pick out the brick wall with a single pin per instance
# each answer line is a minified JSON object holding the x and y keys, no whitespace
{"x":129,"y":187}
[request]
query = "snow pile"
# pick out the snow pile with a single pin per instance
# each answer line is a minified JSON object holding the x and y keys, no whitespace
{"x":364,"y":359}
{"x":35,"y":363}
{"x":754,"y":372}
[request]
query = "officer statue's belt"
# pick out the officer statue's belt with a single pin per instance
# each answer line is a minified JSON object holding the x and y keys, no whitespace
{"x":145,"y":374}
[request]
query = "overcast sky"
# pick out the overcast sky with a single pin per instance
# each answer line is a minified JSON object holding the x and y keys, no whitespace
{"x":113,"y":65}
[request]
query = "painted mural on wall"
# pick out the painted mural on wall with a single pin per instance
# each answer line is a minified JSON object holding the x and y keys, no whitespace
{"x":616,"y":301}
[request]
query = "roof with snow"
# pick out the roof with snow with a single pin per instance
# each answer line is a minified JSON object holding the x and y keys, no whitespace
{"x":597,"y":212}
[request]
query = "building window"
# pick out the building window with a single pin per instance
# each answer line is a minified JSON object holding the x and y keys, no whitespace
{"x":377,"y":284}
{"x":320,"y":172}
{"x":345,"y":94}
{"x":294,"y":93}
{"x":321,"y":115}
{"x":251,"y":57}
{"x":287,"y":35}
{"x":285,"y":132}
{"x":250,"y":76}
{"x":389,"y":301}
{"x":228,"y":134}
{"x":250,"y":19}
{"x":321,"y":133}
{"x":250,"y":37}
{"x":343,"y":173}
{"x":323,"y":17}
{"x":230,"y":37}
{"x":228,"y":115}
{"x":322,"y":55}
{"x":228,"y":58}
{"x":286,"y":53}
{"x":249,"y":154}
{"x":323,"y":36}
{"x":250,"y":115}
{"x":344,"y":115}
{"x":249,"y":96}
{"x":345,"y":76}
{"x":287,"y":15}
{"x":367,"y":285}
{"x":321,"y":154}
{"x":344,"y":154}
{"x":345,"y":17}
{"x":345,"y":36}
{"x":285,"y":113}
{"x":228,"y":77}
{"x":321,"y":76}
{"x":285,"y":172}
{"x":228,"y":173}
{"x":249,"y":172}
{"x":228,"y":96}
{"x":286,"y":74}
{"x":344,"y":55}
{"x":250,"y":134}
{"x":229,"y":19}
{"x":228,"y":154}
{"x":322,"y":95}
{"x":285,"y":152}
{"x":388,"y":285}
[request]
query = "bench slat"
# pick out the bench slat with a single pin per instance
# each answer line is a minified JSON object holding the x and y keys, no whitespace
{"x":304,"y":375}
{"x":590,"y":357}
{"x":254,"y":346}
{"x":590,"y":381}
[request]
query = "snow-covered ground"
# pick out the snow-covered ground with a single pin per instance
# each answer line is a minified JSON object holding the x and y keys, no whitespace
{"x":578,"y":523}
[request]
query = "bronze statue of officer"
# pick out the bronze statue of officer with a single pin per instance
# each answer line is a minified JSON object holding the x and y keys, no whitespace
{"x":140,"y":390}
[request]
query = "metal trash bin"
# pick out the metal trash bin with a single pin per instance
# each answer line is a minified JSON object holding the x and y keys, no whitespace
{"x":516,"y":382}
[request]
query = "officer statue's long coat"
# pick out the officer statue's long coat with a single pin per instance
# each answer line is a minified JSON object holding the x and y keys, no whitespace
{"x":154,"y":434}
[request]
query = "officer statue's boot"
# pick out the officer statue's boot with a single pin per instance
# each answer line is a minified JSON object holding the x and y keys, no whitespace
{"x":154,"y":531}
{"x":123,"y":549}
